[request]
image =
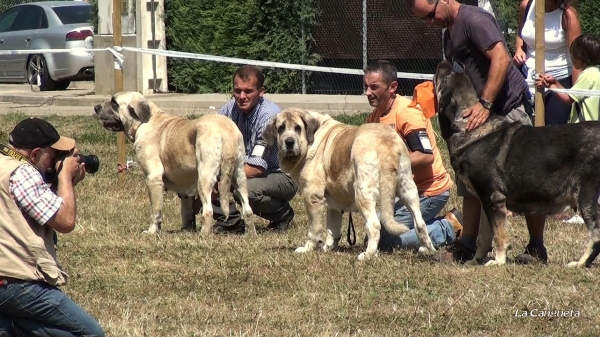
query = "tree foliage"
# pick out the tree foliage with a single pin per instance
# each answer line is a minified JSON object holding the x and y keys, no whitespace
{"x":256,"y":29}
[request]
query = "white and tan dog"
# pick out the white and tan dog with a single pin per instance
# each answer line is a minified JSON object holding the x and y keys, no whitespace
{"x":181,"y":155}
{"x":340,"y":167}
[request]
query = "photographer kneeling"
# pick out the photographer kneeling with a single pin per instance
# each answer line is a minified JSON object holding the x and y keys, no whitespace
{"x":30,"y":212}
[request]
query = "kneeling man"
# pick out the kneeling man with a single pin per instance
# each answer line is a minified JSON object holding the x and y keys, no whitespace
{"x":432,"y":179}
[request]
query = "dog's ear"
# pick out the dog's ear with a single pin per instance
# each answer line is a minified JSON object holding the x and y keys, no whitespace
{"x":140,"y":109}
{"x":270,"y":132}
{"x":311,"y":125}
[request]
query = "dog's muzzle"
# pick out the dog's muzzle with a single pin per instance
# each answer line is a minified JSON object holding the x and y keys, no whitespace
{"x":290,"y":148}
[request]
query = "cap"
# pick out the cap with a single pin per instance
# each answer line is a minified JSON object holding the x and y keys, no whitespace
{"x":34,"y":132}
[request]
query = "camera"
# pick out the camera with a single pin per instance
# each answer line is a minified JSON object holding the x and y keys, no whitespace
{"x":92,"y":163}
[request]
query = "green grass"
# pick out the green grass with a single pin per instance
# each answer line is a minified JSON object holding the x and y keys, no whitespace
{"x":180,"y":284}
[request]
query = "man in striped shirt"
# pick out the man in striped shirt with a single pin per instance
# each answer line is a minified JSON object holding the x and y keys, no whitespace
{"x":269,"y":189}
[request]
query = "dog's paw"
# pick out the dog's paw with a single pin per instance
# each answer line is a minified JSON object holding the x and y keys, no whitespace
{"x":575,"y":264}
{"x":151,"y":230}
{"x":366,"y":256}
{"x":303,"y":249}
{"x":493,"y":263}
{"x":427,"y":251}
{"x":473,"y":262}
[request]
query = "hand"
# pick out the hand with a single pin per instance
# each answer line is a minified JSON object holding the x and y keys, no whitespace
{"x":520,"y":57}
{"x":121,"y":167}
{"x":70,"y":168}
{"x":550,"y":80}
{"x":477,"y":115}
{"x":215,"y":192}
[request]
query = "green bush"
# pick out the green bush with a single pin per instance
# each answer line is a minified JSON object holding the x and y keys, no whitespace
{"x":255,"y":29}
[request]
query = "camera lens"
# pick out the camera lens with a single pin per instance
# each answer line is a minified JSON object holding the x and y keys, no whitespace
{"x":92,"y":163}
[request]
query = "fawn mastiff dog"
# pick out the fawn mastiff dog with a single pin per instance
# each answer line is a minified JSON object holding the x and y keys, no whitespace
{"x":181,"y":155}
{"x":521,"y":168}
{"x":340,"y":167}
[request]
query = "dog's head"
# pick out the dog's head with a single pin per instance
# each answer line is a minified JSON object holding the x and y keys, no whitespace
{"x":123,"y":111}
{"x":454,"y":93}
{"x":293,"y":131}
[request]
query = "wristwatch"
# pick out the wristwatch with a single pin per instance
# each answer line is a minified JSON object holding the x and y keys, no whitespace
{"x":486,"y":104}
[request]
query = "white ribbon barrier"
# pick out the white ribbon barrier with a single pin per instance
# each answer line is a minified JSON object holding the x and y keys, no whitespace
{"x":119,"y":59}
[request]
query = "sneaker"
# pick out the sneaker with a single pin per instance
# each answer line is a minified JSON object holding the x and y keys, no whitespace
{"x":456,"y":219}
{"x":457,"y":252}
{"x":575,"y":220}
{"x":283,"y":224}
{"x":533,"y":254}
{"x":221,"y":227}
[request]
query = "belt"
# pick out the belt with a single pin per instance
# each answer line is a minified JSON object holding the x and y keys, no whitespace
{"x":7,"y":280}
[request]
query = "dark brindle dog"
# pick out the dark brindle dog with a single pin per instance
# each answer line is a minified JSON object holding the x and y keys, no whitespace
{"x":521,"y":168}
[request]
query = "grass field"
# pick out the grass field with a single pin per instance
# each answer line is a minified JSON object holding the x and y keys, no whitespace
{"x":180,"y":284}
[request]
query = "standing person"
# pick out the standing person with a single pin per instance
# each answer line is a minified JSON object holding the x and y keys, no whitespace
{"x":585,"y":53}
{"x":429,"y":173}
{"x":474,"y":44}
{"x":562,"y":26}
{"x":269,"y":189}
{"x":30,"y":212}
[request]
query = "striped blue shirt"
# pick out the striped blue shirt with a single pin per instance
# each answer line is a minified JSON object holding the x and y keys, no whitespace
{"x":252,"y":127}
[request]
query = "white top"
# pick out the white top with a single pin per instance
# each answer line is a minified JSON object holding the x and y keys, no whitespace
{"x":558,"y":59}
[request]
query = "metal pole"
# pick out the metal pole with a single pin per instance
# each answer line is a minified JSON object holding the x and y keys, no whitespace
{"x":364,"y":34}
{"x":118,"y":80}
{"x":540,"y":11}
{"x":303,"y":45}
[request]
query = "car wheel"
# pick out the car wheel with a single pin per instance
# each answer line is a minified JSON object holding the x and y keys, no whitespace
{"x":62,"y":85}
{"x":37,"y":73}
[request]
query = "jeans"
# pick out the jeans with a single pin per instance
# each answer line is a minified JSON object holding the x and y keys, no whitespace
{"x":268,"y":196}
{"x":35,"y":309}
{"x":440,"y":230}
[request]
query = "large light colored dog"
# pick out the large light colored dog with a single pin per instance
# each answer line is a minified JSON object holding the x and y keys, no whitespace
{"x":181,"y":155}
{"x":340,"y":167}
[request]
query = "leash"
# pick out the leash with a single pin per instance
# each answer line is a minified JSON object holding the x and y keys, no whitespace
{"x":351,"y":231}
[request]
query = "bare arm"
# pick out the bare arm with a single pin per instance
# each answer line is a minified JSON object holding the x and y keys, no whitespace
{"x":253,"y":171}
{"x":418,"y":160}
{"x":520,"y":47}
{"x":63,"y":221}
{"x":499,"y":63}
{"x":572,"y":27}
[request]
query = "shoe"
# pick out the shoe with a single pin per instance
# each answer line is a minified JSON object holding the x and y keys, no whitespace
{"x":575,"y":220}
{"x":283,"y":224}
{"x":457,"y":253}
{"x":221,"y":227}
{"x":456,"y":219}
{"x":533,"y":254}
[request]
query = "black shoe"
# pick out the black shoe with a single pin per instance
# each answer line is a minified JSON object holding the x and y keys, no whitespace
{"x":283,"y":224}
{"x":221,"y":227}
{"x":533,"y":254}
{"x":458,"y":253}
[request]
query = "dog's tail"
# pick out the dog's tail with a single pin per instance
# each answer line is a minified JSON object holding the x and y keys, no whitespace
{"x":226,"y":173}
{"x":387,"y":194}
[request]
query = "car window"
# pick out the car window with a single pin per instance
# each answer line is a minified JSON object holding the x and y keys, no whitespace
{"x":30,"y":17}
{"x":7,"y":18}
{"x":73,"y":14}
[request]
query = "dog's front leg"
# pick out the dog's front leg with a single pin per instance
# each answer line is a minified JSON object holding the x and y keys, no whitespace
{"x":334,"y":229}
{"x":496,"y":214}
{"x":314,"y":201}
{"x":155,"y":192}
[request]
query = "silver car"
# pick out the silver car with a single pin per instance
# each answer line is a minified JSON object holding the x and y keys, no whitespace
{"x":47,"y":25}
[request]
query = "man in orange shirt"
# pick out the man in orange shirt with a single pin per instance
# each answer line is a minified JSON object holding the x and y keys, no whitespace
{"x":432,"y":179}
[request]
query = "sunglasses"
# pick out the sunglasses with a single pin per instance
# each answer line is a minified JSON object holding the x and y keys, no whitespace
{"x":431,"y":14}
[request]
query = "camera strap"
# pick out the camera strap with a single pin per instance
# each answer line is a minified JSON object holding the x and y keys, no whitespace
{"x":8,"y":151}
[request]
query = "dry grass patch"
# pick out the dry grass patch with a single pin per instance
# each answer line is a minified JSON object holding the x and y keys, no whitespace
{"x":181,"y":284}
